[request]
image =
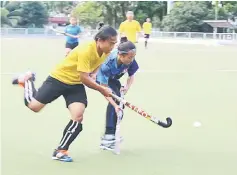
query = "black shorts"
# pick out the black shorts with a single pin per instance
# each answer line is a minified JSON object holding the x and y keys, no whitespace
{"x":71,"y":45}
{"x":147,"y":36}
{"x":53,"y":88}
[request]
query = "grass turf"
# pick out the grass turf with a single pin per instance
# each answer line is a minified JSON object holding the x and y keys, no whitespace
{"x":178,"y":80}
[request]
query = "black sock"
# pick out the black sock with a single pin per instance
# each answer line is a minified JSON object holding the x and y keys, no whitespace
{"x":145,"y":43}
{"x":29,"y":91}
{"x":71,"y":131}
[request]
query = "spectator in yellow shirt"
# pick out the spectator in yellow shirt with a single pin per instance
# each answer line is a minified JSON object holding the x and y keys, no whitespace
{"x":130,"y":28}
{"x":147,"y":26}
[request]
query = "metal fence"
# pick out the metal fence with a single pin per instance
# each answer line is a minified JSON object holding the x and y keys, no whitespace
{"x":27,"y":32}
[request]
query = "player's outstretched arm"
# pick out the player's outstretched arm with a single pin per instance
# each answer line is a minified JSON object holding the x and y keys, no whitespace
{"x":131,"y":76}
{"x":130,"y":81}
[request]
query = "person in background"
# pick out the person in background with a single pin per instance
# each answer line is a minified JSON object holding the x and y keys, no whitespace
{"x":147,"y":26}
{"x":72,"y":33}
{"x":130,"y":28}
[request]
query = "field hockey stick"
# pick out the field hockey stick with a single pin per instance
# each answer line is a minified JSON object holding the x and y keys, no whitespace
{"x":56,"y":31}
{"x":166,"y":124}
{"x":117,"y":133}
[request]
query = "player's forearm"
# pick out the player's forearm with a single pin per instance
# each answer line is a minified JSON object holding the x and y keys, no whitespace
{"x":94,"y":73}
{"x":130,"y":81}
{"x":111,"y":101}
{"x":89,"y":82}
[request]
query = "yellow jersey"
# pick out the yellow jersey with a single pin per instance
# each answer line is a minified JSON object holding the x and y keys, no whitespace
{"x":84,"y":58}
{"x":130,"y":29}
{"x":147,"y":26}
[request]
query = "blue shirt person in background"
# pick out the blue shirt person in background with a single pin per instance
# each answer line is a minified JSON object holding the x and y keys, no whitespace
{"x":119,"y":62}
{"x":72,"y":32}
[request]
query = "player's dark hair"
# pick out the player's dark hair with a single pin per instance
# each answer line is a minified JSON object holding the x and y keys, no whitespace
{"x":101,"y":24}
{"x":125,"y":47}
{"x":105,"y":33}
{"x":123,"y":39}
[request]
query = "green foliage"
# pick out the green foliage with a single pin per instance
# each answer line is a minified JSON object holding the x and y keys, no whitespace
{"x":4,"y":12}
{"x":4,"y":19}
{"x":141,"y":16}
{"x":89,"y":13}
{"x":34,"y":14}
{"x":150,"y":9}
{"x":156,"y":22}
{"x":17,"y":14}
{"x":114,"y":12}
{"x":12,"y":5}
{"x":59,"y":6}
{"x":8,"y":10}
{"x":186,"y":16}
{"x":230,"y":9}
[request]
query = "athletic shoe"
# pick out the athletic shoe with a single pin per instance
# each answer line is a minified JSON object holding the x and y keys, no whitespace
{"x":108,"y":142}
{"x":61,"y":155}
{"x":20,"y":80}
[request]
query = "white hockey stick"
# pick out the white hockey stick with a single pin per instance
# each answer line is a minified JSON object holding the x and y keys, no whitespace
{"x":117,"y":133}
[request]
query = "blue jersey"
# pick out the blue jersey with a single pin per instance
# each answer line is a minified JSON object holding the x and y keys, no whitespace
{"x":73,"y":30}
{"x":111,"y":70}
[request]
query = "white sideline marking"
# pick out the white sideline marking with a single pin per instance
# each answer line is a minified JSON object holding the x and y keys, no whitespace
{"x":9,"y":38}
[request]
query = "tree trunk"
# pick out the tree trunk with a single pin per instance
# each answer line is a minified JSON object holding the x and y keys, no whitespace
{"x":115,"y":18}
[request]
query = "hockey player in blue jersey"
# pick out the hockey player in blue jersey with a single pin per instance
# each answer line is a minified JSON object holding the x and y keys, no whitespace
{"x":120,"y":61}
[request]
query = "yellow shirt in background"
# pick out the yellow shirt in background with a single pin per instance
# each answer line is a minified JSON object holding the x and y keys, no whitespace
{"x":130,"y":29}
{"x":147,"y":26}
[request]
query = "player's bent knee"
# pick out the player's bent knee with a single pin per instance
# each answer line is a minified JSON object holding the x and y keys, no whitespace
{"x":35,"y":105}
{"x":77,"y":110}
{"x":78,"y":118}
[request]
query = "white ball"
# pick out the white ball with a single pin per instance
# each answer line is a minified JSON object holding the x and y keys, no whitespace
{"x":197,"y":124}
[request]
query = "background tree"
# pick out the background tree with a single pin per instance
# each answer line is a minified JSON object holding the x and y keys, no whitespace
{"x":114,"y":12}
{"x":150,"y":9}
{"x":186,"y":16}
{"x":89,"y":13}
{"x":11,"y":14}
{"x":63,"y":7}
{"x":35,"y":14}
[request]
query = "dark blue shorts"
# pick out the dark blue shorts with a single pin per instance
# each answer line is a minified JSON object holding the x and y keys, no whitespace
{"x":71,"y":45}
{"x":147,"y":36}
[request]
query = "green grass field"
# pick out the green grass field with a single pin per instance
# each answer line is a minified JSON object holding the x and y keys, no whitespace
{"x":188,"y":82}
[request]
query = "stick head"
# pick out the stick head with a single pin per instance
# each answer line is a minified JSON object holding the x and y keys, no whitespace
{"x":166,"y":125}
